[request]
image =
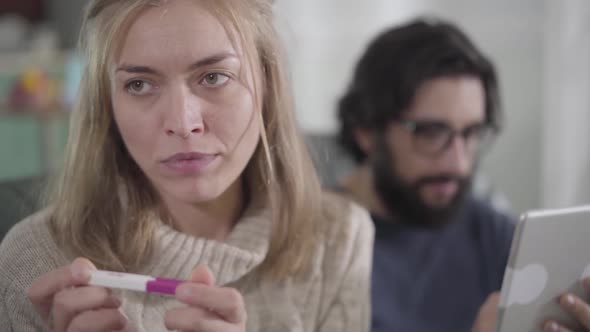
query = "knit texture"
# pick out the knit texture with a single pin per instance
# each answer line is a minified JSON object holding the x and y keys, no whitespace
{"x":332,"y":296}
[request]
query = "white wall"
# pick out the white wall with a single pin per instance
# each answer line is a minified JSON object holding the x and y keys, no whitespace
{"x":325,"y":39}
{"x":566,"y":172}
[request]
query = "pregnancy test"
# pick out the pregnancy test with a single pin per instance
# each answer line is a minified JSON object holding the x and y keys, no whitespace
{"x":134,"y":282}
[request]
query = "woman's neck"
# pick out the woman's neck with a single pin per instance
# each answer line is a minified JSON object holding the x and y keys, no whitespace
{"x":212,"y":220}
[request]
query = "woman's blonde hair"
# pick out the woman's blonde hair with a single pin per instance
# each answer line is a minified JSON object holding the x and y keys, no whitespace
{"x":89,"y":216}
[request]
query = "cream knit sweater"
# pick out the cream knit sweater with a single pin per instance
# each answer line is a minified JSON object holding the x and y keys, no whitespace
{"x":333,"y":296}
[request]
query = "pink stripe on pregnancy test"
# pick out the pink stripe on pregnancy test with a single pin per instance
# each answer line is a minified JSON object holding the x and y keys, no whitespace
{"x":167,"y":286}
{"x":134,"y":282}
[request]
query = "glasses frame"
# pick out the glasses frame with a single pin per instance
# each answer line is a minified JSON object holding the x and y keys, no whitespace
{"x":483,"y":136}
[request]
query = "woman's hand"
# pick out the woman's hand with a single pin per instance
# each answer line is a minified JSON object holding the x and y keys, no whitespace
{"x":488,"y":313}
{"x":209,"y":308}
{"x":66,"y":304}
{"x":577,"y":307}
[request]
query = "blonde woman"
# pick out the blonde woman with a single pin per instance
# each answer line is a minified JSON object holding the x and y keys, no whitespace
{"x":184,"y":161}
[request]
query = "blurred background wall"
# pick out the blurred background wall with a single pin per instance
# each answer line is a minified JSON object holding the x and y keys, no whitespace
{"x":541,"y":50}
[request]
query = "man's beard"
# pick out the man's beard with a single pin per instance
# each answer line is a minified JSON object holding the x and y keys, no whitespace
{"x":404,"y":199}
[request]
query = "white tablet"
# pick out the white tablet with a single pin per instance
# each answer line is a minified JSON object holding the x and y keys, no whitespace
{"x":550,"y":255}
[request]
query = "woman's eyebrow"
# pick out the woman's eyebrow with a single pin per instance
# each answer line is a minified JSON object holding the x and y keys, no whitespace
{"x":210,"y":60}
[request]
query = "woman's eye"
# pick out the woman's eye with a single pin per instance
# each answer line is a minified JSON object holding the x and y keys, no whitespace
{"x":138,"y":87}
{"x":215,"y":79}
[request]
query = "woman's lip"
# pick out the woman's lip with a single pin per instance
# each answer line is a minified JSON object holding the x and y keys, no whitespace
{"x":187,"y":156}
{"x":187,"y":163}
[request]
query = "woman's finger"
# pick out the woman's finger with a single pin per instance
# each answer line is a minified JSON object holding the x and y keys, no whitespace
{"x":101,"y":320}
{"x":196,"y":319}
{"x":42,"y":290}
{"x":202,"y":275}
{"x":226,"y":302}
{"x":70,"y":302}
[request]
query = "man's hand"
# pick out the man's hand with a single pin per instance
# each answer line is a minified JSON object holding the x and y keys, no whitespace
{"x":488,"y":313}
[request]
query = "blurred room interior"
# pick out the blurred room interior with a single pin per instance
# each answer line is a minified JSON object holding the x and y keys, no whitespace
{"x":541,"y":49}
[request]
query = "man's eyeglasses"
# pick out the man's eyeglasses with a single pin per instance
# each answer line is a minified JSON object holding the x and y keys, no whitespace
{"x":435,"y":137}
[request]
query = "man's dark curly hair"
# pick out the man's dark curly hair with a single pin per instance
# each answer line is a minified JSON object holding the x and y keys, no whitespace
{"x":397,"y":63}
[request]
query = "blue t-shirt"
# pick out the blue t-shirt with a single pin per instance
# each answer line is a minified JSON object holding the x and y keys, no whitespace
{"x":436,"y":280}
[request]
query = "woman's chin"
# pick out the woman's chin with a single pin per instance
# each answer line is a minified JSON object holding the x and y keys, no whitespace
{"x":193,"y":192}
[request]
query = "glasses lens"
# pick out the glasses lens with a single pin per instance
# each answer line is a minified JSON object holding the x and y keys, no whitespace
{"x":431,"y":137}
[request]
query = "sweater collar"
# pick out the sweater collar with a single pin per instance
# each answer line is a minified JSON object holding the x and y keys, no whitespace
{"x":176,"y":254}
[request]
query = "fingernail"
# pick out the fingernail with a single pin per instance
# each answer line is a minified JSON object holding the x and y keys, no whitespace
{"x":551,"y":327}
{"x":184,"y":291}
{"x":79,"y":272}
{"x":570,"y":300}
{"x":116,"y":301}
{"x":125,"y":321}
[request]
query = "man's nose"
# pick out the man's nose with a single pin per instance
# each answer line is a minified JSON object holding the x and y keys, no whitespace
{"x":456,"y":159}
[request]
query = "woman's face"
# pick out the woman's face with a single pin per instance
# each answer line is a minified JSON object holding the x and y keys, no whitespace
{"x":183,"y":103}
